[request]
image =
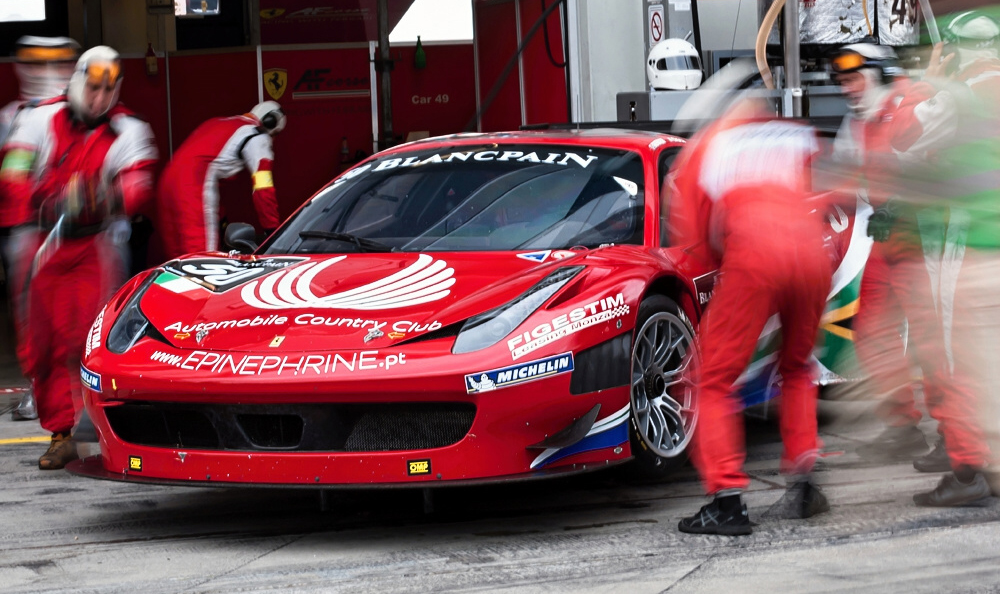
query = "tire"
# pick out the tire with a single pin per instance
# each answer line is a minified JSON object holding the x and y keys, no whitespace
{"x":664,"y":363}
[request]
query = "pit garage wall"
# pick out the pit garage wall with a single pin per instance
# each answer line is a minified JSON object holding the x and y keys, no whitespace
{"x":327,"y":97}
{"x":535,"y":90}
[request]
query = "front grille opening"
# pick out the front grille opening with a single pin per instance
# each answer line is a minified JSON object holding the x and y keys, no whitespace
{"x":272,"y":431}
{"x":402,"y":427}
{"x":376,"y":427}
{"x":147,"y":424}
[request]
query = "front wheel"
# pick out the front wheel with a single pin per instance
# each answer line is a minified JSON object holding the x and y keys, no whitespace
{"x":665,"y":364}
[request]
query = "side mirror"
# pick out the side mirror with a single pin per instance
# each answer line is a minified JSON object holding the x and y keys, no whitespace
{"x":241,"y":237}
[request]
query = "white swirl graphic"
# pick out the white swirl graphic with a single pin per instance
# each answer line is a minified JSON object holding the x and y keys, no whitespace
{"x":424,"y":281}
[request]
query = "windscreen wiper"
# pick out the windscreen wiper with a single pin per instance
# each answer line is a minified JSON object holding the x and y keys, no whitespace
{"x":368,"y":245}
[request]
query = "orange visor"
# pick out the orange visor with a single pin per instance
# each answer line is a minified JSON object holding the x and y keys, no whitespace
{"x":847,"y":62}
{"x":46,"y":54}
{"x":104,"y":73}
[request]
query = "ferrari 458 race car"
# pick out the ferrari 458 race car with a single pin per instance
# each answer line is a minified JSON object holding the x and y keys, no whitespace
{"x":456,"y":310}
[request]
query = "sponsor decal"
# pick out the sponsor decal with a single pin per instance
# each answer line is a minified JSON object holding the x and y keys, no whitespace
{"x":94,"y":336}
{"x":216,"y":274}
{"x":373,"y":334}
{"x":306,"y":319}
{"x":487,"y":381}
{"x":566,"y":159}
{"x":416,"y":467}
{"x":547,"y":254}
{"x":287,"y":365}
{"x":270,"y":13}
{"x":135,"y":463}
{"x":90,"y":379}
{"x":275,"y":81}
{"x":327,"y":83}
{"x":705,"y":286}
{"x":426,"y":280}
{"x":562,"y":326}
{"x":276,"y":341}
{"x":535,"y":256}
{"x":180,"y":328}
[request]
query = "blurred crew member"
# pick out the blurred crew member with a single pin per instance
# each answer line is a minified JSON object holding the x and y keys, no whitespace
{"x":967,"y":179}
{"x":218,"y":149}
{"x":43,"y":68}
{"x":896,"y":127}
{"x":739,"y":195}
{"x":84,"y":162}
{"x":888,"y":115}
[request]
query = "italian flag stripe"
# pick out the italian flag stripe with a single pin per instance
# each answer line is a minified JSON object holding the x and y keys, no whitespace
{"x":177,"y":284}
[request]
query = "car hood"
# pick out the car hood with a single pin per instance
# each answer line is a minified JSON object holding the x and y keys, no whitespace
{"x":332,"y":302}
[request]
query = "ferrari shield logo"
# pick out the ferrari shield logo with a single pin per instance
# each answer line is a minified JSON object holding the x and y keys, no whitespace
{"x":270,"y":13}
{"x":275,"y":81}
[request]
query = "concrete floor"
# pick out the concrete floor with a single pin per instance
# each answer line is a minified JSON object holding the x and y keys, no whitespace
{"x":592,"y":533}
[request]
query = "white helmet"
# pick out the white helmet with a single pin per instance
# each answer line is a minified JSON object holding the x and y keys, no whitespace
{"x":271,"y":117}
{"x":101,"y":65}
{"x":44,"y":65}
{"x":673,"y":64}
{"x":974,"y":35}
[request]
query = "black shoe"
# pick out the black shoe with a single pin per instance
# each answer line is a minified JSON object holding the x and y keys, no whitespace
{"x":713,"y":519}
{"x":951,"y":492}
{"x":802,"y":500}
{"x":896,"y":443}
{"x":807,"y":500}
{"x":936,"y":461}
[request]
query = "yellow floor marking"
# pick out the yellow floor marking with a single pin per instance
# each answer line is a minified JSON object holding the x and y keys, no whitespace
{"x":38,"y":439}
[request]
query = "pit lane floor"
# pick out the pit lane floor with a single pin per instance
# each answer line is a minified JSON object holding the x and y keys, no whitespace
{"x":590,"y":533}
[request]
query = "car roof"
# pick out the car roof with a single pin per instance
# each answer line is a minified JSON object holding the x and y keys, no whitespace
{"x":637,"y":140}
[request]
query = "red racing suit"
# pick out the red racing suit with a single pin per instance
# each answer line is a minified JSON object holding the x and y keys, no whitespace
{"x":910,"y":276}
{"x":108,"y":169}
{"x":13,"y":213}
{"x":739,"y":199}
{"x":189,"y":187}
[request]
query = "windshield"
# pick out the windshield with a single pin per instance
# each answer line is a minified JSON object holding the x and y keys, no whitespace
{"x":486,"y":198}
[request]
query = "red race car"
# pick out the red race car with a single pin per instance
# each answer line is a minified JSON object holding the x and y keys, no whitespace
{"x":461,"y":309}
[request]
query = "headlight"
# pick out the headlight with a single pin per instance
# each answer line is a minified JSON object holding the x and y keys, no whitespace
{"x":489,"y":328}
{"x":131,"y":324}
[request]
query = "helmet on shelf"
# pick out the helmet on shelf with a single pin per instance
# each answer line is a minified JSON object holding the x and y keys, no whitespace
{"x":673,"y":64}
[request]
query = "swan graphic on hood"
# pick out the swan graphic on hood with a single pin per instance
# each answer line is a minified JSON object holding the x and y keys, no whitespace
{"x":424,"y":281}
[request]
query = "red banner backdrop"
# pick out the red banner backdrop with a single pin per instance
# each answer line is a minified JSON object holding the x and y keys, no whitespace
{"x":324,"y":21}
{"x":544,"y":82}
{"x":496,"y":32}
{"x":439,"y":98}
{"x":326,"y":95}
{"x":544,"y":77}
{"x":324,"y":92}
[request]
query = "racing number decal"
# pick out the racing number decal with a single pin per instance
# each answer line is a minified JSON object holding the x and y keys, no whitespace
{"x":901,"y":9}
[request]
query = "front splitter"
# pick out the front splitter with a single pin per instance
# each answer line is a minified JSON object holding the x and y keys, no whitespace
{"x":92,"y":467}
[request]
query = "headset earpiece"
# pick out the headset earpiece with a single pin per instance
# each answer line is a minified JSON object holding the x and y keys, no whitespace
{"x":270,"y":120}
